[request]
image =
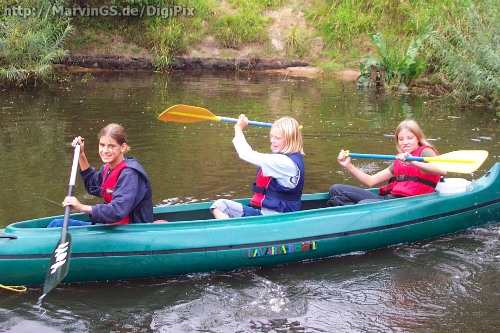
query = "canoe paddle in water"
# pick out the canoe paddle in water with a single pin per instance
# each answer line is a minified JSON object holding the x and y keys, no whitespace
{"x":59,"y":261}
{"x":460,"y":161}
{"x":182,"y":113}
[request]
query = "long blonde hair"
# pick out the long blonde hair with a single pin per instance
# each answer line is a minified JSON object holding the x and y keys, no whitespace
{"x":412,"y":126}
{"x":290,"y":129}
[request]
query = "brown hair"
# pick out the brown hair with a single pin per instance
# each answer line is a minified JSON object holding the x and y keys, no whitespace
{"x":116,"y":132}
{"x":412,"y":126}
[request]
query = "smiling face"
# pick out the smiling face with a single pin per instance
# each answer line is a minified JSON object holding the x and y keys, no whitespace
{"x":111,"y":151}
{"x":407,"y":141}
{"x":278,"y":141}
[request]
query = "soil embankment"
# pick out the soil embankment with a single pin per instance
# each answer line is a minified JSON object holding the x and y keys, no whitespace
{"x":113,"y":52}
{"x":125,"y":62}
{"x":90,"y":62}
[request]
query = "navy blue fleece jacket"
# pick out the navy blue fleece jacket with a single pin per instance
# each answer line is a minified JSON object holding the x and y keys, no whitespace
{"x":132,"y":194}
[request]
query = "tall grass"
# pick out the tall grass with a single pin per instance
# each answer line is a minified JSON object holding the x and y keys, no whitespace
{"x":29,"y":45}
{"x":296,"y":42}
{"x":339,"y":22}
{"x":245,"y":24}
{"x":167,"y":40}
{"x":235,"y":29}
{"x":170,"y":37}
{"x":345,"y":25}
{"x":466,"y":55}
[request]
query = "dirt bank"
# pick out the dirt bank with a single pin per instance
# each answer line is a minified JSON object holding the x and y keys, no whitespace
{"x":111,"y":51}
{"x":96,"y":62}
{"x":127,"y":62}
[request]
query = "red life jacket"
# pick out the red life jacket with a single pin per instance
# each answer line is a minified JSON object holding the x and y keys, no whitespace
{"x":409,"y":180}
{"x":260,"y":182}
{"x":109,"y":183}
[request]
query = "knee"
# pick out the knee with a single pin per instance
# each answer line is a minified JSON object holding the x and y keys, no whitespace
{"x":218,"y":214}
{"x":219,"y":205}
{"x":334,"y":190}
{"x":218,"y":209}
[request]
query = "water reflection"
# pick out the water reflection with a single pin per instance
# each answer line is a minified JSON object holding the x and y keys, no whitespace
{"x":193,"y":162}
{"x":449,"y":284}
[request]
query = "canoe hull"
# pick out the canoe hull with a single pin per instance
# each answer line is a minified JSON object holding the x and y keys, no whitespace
{"x":193,"y":242}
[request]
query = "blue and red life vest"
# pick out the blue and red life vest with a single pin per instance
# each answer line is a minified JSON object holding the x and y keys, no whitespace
{"x":409,"y":180}
{"x":109,"y":183}
{"x":270,"y":194}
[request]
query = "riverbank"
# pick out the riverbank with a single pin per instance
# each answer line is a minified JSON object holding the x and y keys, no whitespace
{"x":121,"y":48}
{"x":90,"y":62}
{"x":311,"y":38}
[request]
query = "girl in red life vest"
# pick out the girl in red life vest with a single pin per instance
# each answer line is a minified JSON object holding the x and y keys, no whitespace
{"x":121,"y":182}
{"x":280,"y":175}
{"x":405,"y":178}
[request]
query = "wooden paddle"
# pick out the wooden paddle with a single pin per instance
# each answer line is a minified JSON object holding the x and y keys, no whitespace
{"x":460,"y":161}
{"x":181,"y":113}
{"x":59,"y":261}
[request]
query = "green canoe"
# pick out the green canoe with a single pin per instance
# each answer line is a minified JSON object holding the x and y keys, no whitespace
{"x":192,"y":241}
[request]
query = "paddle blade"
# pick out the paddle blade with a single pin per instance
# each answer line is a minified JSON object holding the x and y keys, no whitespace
{"x":59,"y":264}
{"x":181,"y":113}
{"x":460,"y":161}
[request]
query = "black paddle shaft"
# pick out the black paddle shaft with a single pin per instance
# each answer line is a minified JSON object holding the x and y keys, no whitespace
{"x":59,"y":260}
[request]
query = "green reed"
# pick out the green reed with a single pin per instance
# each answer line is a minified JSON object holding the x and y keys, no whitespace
{"x":30,"y":44}
{"x":466,"y":55}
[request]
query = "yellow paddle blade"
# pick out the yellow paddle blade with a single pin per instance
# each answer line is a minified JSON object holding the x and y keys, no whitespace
{"x":181,"y":113}
{"x":460,"y":161}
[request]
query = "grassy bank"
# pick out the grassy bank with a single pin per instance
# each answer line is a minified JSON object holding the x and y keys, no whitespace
{"x":453,"y":42}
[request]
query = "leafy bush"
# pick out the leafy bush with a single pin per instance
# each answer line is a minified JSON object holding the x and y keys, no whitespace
{"x":399,"y":68}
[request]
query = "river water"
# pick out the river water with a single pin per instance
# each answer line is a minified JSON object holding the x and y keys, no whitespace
{"x":448,"y":284}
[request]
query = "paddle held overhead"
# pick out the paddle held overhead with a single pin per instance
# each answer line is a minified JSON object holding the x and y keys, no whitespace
{"x":181,"y":113}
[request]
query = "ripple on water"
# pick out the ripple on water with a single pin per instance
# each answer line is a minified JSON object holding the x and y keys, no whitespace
{"x":258,"y":302}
